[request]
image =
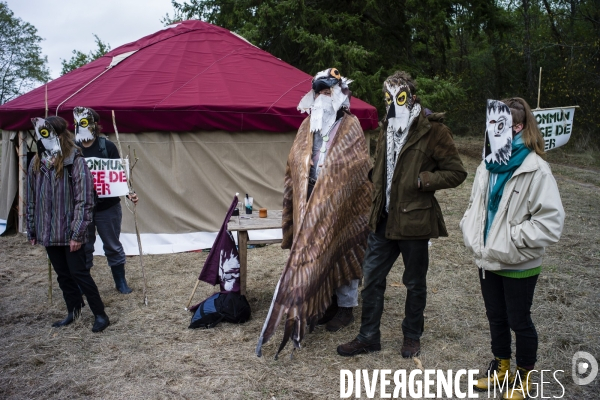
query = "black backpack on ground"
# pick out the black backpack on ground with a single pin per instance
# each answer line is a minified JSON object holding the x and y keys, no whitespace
{"x":228,"y":307}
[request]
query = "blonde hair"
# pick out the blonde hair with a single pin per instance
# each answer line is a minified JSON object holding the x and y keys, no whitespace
{"x":67,"y":144}
{"x":521,"y":114}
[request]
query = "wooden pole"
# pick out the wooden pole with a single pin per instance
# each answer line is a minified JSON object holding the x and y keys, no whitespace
{"x":137,"y":231}
{"x":243,"y":254}
{"x":46,"y":100}
{"x":22,"y":206}
{"x":539,"y":89}
{"x":192,"y":295}
{"x":49,"y":262}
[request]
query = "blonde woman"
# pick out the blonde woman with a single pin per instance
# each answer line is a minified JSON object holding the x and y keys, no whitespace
{"x":514,"y":213}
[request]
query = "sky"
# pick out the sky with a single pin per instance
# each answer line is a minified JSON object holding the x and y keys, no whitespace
{"x":67,"y":25}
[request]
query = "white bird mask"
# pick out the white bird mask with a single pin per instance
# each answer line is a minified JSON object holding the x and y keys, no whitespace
{"x":48,"y":144}
{"x":399,"y":103}
{"x":84,"y":124}
{"x":320,"y":108}
{"x":498,"y":133}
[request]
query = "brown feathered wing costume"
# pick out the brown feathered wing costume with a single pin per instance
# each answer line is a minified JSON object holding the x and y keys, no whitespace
{"x":327,"y":234}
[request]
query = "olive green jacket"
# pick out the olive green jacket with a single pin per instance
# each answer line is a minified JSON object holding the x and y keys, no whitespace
{"x":429,"y":154}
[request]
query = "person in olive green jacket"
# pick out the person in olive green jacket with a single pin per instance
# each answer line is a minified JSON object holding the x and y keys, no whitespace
{"x":415,"y":157}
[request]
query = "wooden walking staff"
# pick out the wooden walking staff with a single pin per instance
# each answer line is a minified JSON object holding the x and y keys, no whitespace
{"x":131,"y":191}
{"x":539,"y":89}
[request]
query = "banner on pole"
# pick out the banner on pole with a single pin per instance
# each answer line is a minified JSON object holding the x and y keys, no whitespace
{"x":556,"y":125}
{"x":110,"y":176}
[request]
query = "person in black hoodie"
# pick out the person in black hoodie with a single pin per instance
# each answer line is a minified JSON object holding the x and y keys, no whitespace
{"x":108,"y":213}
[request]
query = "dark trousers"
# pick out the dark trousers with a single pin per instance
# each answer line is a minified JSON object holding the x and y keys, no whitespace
{"x":108,"y":224}
{"x":508,"y":306}
{"x":381,"y":255}
{"x":72,"y":274}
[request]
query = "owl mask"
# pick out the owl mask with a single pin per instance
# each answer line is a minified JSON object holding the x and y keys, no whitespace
{"x":323,"y":109}
{"x":84,"y":124}
{"x":498,"y":133}
{"x":399,"y":104}
{"x":48,"y":144}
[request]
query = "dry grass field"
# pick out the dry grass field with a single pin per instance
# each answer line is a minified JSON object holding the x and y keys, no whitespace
{"x":149,"y":353}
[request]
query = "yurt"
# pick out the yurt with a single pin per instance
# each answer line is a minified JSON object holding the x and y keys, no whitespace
{"x":206,"y":113}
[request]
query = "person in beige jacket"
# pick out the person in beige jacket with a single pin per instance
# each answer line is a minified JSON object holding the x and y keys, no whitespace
{"x":514,"y":213}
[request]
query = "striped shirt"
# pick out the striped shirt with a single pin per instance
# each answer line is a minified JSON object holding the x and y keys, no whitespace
{"x":56,"y":212}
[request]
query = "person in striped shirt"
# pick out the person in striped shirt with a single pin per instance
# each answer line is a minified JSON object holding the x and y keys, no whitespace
{"x":60,"y":201}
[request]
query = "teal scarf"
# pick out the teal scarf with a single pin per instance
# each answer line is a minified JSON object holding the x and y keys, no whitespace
{"x":505,"y":171}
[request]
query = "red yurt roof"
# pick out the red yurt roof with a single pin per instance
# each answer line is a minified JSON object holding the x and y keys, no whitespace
{"x":189,"y":76}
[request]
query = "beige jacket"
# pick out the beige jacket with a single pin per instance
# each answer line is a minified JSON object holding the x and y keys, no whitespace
{"x":530,"y":217}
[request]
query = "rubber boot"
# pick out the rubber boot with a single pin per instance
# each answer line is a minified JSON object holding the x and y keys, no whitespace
{"x":499,"y":367}
{"x":520,"y":386}
{"x":118,"y":272}
{"x":100,"y":323}
{"x":71,"y":316}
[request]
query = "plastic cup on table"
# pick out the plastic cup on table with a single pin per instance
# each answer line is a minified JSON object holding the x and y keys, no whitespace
{"x":248,"y":203}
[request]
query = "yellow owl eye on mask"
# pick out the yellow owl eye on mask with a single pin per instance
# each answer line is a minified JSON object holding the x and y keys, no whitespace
{"x":401,"y":98}
{"x":44,"y":133}
{"x":388,"y":98}
{"x":83,"y":123}
{"x":335,"y":73}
